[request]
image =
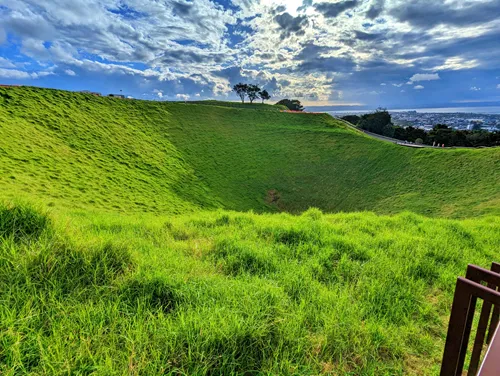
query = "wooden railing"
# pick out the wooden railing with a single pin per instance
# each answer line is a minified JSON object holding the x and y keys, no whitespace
{"x":467,"y":291}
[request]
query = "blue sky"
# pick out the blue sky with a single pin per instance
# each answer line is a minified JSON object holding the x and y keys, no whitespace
{"x":390,"y":53}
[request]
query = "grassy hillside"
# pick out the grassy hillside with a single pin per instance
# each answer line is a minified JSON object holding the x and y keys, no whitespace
{"x":119,"y":256}
{"x":246,"y":105}
{"x":89,"y":152}
{"x":231,"y":293}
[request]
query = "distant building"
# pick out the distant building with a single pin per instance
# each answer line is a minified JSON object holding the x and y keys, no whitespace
{"x":121,"y":96}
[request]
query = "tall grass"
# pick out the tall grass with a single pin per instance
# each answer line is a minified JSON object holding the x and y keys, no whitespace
{"x":234,"y":293}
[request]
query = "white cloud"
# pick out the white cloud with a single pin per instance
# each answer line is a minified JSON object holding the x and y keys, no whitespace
{"x":419,"y":87}
{"x":498,"y":86}
{"x":474,"y":88}
{"x":183,"y":97}
{"x":69,"y":72}
{"x":424,"y":77}
{"x":403,"y":91}
{"x":397,"y":85}
{"x":457,"y":63}
{"x":159,"y":93}
{"x":383,"y":84}
{"x":41,"y":74}
{"x":4,"y":63}
{"x":14,"y":74}
{"x":197,"y":95}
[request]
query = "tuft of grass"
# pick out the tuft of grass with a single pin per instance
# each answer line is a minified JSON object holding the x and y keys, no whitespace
{"x":21,"y":222}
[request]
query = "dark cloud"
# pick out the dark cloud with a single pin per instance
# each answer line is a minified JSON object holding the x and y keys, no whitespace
{"x":368,"y":37}
{"x":312,"y":59}
{"x":278,"y":9}
{"x":483,"y":48}
{"x":305,"y":4}
{"x":185,"y":56}
{"x":182,"y":8}
{"x":291,"y":25}
{"x":332,"y":10}
{"x":429,"y":13}
{"x":376,"y":9}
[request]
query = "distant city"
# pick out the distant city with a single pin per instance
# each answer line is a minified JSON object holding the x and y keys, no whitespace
{"x":461,"y":121}
{"x":427,"y":120}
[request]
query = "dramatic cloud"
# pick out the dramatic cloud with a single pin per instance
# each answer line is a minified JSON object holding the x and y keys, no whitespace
{"x":291,"y":25}
{"x":328,"y":52}
{"x":429,"y":13}
{"x":332,"y":10}
{"x":376,"y":8}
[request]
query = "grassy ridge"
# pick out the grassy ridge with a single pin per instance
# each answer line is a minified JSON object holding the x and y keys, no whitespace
{"x":170,"y":157}
{"x":232,"y":293}
{"x":247,"y":106}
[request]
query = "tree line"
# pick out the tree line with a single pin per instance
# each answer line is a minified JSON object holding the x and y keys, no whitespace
{"x":252,"y":92}
{"x":380,"y":122}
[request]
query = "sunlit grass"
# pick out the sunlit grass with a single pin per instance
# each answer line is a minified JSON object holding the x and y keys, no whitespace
{"x":226,"y":292}
{"x":118,"y":254}
{"x":77,"y":150}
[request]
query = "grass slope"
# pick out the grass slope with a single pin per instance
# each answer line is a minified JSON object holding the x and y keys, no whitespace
{"x":246,"y":105}
{"x":169,"y":157}
{"x":231,"y":293}
{"x":118,"y":270}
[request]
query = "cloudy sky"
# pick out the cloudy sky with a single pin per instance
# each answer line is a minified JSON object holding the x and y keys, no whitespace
{"x":391,"y":53}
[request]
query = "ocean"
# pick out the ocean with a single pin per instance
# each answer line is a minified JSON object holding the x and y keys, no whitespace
{"x":493,"y":110}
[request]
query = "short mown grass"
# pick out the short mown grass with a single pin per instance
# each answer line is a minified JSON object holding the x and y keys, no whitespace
{"x":233,"y":293}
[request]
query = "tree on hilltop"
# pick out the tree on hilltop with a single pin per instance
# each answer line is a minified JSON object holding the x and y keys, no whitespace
{"x":253,"y":92}
{"x":264,"y":95}
{"x":241,"y":90}
{"x":293,"y":105}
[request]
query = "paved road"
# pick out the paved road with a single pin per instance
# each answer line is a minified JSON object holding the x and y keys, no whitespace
{"x":384,"y":138}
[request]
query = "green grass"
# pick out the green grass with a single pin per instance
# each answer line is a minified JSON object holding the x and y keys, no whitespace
{"x":234,"y":293}
{"x":143,"y":238}
{"x":246,"y":105}
{"x":77,"y":150}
